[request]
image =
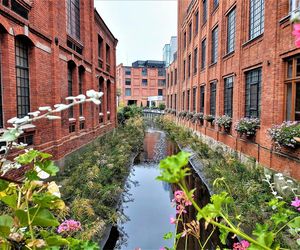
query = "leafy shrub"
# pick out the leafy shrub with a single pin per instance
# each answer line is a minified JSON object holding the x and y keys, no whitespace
{"x":182,"y":114}
{"x":285,"y":134}
{"x":224,"y":121}
{"x":128,"y":112}
{"x":209,"y":118}
{"x":247,"y":126}
{"x":189,"y":115}
{"x":161,"y":106}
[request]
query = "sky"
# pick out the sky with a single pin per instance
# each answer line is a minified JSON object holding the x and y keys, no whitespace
{"x":142,"y":27}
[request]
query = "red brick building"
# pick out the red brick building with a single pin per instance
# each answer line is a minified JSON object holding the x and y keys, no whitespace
{"x":50,"y":50}
{"x":172,"y":87}
{"x":238,"y":58}
{"x":142,"y":80}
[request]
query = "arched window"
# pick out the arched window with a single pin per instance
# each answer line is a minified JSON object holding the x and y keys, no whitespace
{"x":22,"y":76}
{"x":71,"y":67}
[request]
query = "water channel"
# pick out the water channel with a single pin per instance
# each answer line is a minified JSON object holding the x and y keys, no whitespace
{"x":147,"y":205}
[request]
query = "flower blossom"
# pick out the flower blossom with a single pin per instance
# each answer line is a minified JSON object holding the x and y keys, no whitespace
{"x":181,"y":201}
{"x":243,"y":245}
{"x":69,"y":226}
{"x":296,"y":33}
{"x":296,"y":203}
{"x":172,"y":220}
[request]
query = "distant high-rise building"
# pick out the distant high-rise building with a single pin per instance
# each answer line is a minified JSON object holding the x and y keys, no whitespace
{"x":169,"y":50}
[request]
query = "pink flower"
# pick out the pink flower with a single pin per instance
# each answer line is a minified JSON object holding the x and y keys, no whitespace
{"x":162,"y":248}
{"x":296,"y":33}
{"x":243,"y":245}
{"x":296,"y":203}
{"x":172,"y":220}
{"x":181,"y":201}
{"x":69,"y":226}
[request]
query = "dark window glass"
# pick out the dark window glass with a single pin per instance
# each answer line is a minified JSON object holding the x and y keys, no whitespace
{"x":144,"y":71}
{"x":70,"y":88}
{"x":144,"y":82}
{"x":204,"y":14}
{"x":73,"y":16}
{"x":231,"y":31}
{"x":297,"y":105}
{"x":171,"y":101}
{"x":196,"y":22}
{"x":26,"y":139}
{"x":253,"y":93}
{"x":22,"y":75}
{"x":81,"y":125}
{"x":100,"y":47}
{"x":190,"y":32}
{"x":184,"y":40}
{"x":188,"y":100}
{"x":108,"y":55}
{"x":214,"y":45}
{"x":289,"y":68}
{"x":128,"y":71}
{"x":189,"y":65}
{"x":161,"y":82}
{"x":195,"y":60}
{"x":5,"y":3}
{"x":175,"y":101}
{"x":175,"y":76}
{"x":108,"y":99}
{"x":256,"y":18}
{"x":202,"y":98}
{"x":228,"y":96}
{"x":215,"y":3}
{"x":80,"y":83}
{"x":161,"y":72}
{"x":203,"y":54}
{"x":183,"y":100}
{"x":101,"y":89}
{"x":127,"y":81}
{"x":159,"y":92}
{"x":172,"y":78}
{"x":194,"y":98}
{"x":19,"y":9}
{"x":184,"y":69}
{"x":213,"y":95}
{"x":72,"y":128}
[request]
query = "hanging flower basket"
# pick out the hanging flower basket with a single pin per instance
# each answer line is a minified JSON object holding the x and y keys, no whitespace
{"x":247,"y":127}
{"x":209,"y":118}
{"x":224,"y":122}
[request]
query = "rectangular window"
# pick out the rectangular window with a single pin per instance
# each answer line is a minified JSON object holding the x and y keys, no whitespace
{"x":203,"y":54}
{"x":22,"y":77}
{"x":184,"y":40}
{"x":72,"y":128}
{"x":171,"y":101}
{"x":80,"y":88}
{"x":144,"y":72}
{"x":128,"y":81}
{"x":184,"y":69}
{"x":231,"y":31}
{"x":195,"y":60}
{"x":204,"y":13}
{"x":253,"y":93}
{"x":175,"y":76}
{"x":70,"y":88}
{"x":100,"y":52}
{"x":5,"y":3}
{"x":213,"y":95}
{"x":196,"y":23}
{"x":202,"y":98}
{"x":161,"y":72}
{"x":81,"y":125}
{"x":215,"y":4}
{"x":127,"y":71}
{"x":228,"y":95}
{"x":292,"y":86}
{"x":175,"y":101}
{"x":257,"y":9}
{"x":190,"y":32}
{"x":168,"y":79}
{"x":188,"y":100}
{"x":108,"y":55}
{"x":183,"y":100}
{"x":73,"y":17}
{"x":161,"y":82}
{"x":127,"y":92}
{"x":189,"y":65}
{"x":194,"y":98}
{"x":27,"y":138}
{"x":144,"y":82}
{"x":214,"y":45}
{"x":159,"y":92}
{"x":172,"y":78}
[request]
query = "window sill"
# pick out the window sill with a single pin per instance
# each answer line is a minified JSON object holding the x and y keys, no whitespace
{"x":285,"y":19}
{"x":215,"y":9}
{"x":212,"y":64}
{"x":258,"y":39}
{"x":228,"y":55}
{"x":72,"y":120}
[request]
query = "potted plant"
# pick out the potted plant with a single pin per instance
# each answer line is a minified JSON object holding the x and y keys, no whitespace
{"x":285,"y":135}
{"x":198,"y":117}
{"x":209,"y":118}
{"x":182,"y":114}
{"x":224,"y":122}
{"x":247,"y":126}
{"x":189,"y":115}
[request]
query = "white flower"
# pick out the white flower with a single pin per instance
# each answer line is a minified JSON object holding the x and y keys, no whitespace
{"x":34,"y":114}
{"x":53,"y":117}
{"x":54,"y":189}
{"x":268,"y":176}
{"x":41,"y":173}
{"x":274,"y":193}
{"x":46,"y":108}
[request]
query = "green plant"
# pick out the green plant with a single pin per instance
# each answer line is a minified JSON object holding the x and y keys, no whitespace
{"x":198,"y":117}
{"x":209,"y":118}
{"x":161,"y":106}
{"x":285,"y":135}
{"x":224,"y":121}
{"x":247,"y":126}
{"x":128,"y":112}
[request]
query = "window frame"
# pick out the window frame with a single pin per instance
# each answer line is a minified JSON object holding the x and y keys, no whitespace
{"x":194,"y":104}
{"x":214,"y":44}
{"x":231,"y":31}
{"x":213,"y":98}
{"x":73,"y":19}
{"x":253,"y":22}
{"x":202,"y":99}
{"x":203,"y":53}
{"x":195,"y":63}
{"x":228,"y":95}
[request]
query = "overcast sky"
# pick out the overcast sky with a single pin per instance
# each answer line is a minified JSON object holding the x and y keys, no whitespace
{"x":142,"y":27}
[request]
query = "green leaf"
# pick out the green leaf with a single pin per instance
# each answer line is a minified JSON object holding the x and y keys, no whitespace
{"x":3,"y":185}
{"x":9,"y":135}
{"x":48,"y":166}
{"x":28,"y":157}
{"x":6,"y":223}
{"x":44,"y":200}
{"x":295,"y":223}
{"x":43,"y":218}
{"x":57,"y":240}
{"x":32,"y":175}
{"x":263,"y":236}
{"x":10,"y":200}
{"x":223,"y":235}
{"x":168,"y":236}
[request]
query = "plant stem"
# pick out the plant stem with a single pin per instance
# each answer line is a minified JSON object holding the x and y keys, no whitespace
{"x":285,"y":225}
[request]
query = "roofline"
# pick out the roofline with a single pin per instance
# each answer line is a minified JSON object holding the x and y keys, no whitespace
{"x":102,"y":21}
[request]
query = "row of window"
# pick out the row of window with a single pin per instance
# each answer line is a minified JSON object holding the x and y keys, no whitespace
{"x":173,"y":79}
{"x":256,"y":28}
{"x":101,"y":54}
{"x":16,"y":7}
{"x":160,"y":71}
{"x":160,"y":82}
{"x":128,"y":92}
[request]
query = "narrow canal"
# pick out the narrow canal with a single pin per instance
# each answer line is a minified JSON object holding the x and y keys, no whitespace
{"x":147,"y":202}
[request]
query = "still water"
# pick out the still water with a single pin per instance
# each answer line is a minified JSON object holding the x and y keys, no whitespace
{"x":150,"y":207}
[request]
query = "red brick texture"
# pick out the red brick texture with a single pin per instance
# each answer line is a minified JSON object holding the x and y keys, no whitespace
{"x":49,"y":56}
